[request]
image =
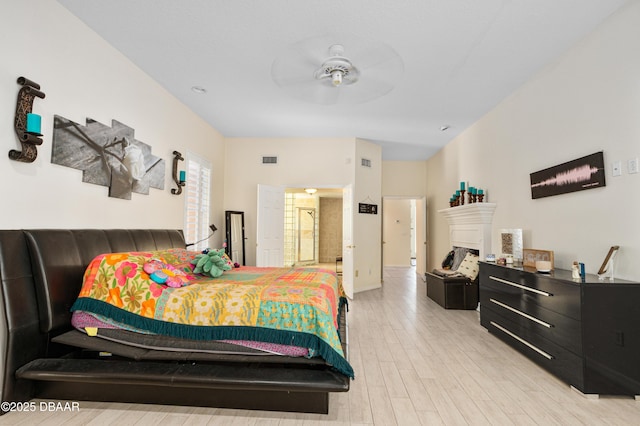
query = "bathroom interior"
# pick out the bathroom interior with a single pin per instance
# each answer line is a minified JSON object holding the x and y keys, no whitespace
{"x":313,"y":227}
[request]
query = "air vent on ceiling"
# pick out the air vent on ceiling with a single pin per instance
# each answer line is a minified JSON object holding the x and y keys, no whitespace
{"x":364,"y":162}
{"x":269,"y":160}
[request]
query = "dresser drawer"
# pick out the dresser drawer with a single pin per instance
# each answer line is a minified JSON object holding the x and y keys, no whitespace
{"x":559,"y":329}
{"x":527,"y":290}
{"x":554,"y":358}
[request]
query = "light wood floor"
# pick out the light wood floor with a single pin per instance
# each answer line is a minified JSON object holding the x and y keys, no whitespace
{"x":415,"y":364}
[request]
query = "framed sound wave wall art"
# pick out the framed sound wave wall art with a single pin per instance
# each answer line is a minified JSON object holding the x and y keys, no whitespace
{"x":577,"y":175}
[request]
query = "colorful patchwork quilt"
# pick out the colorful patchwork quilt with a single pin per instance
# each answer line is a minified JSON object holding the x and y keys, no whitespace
{"x":298,"y":307}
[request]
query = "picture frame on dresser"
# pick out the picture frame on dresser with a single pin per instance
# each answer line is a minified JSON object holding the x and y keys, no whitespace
{"x":531,"y":256}
{"x":608,"y":259}
{"x":511,"y":243}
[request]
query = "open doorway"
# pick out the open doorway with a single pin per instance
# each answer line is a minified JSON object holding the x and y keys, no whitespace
{"x":272,"y":222}
{"x":404,"y":233}
{"x":313,"y":227}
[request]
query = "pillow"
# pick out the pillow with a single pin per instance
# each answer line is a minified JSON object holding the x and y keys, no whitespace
{"x":469,"y":266}
{"x":227,"y":259}
{"x":165,"y":273}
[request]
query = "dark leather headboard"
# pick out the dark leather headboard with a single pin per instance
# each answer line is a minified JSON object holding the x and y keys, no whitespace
{"x":21,"y":338}
{"x":41,"y":274}
{"x":60,"y":257}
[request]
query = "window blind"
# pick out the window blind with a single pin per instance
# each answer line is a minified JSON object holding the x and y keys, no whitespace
{"x":197,"y":202}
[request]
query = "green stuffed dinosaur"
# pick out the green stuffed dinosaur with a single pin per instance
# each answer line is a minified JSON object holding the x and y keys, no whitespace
{"x":210,"y":263}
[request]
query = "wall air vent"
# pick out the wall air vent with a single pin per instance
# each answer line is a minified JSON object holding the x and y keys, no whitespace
{"x":364,"y":162}
{"x":269,"y":160}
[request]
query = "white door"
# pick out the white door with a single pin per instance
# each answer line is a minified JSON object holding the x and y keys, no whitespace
{"x":421,"y":237}
{"x":270,"y":226}
{"x":347,"y":240}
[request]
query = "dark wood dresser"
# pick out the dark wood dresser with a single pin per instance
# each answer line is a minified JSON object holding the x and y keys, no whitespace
{"x":586,"y":332}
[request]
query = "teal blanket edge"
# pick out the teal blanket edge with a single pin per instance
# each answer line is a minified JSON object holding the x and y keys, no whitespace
{"x":194,"y":332}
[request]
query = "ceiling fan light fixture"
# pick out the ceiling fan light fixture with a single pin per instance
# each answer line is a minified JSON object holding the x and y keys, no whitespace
{"x":337,"y":68}
{"x":336,"y":77}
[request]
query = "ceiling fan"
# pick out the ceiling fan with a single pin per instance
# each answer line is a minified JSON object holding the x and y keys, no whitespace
{"x":336,"y":69}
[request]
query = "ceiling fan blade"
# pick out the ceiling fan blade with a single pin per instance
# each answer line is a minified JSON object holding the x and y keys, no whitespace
{"x":326,"y":95}
{"x":296,"y":62}
{"x":353,"y":95}
{"x":377,"y":56}
{"x":308,"y":57}
{"x":286,"y":69}
{"x":290,"y":79}
{"x":371,"y":88}
{"x":311,"y":91}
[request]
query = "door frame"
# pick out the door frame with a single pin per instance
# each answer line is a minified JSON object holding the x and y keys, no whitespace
{"x":420,"y":233}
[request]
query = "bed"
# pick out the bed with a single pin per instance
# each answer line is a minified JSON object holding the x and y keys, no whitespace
{"x":155,"y":352}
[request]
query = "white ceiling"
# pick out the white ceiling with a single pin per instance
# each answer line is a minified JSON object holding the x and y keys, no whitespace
{"x":460,"y":58}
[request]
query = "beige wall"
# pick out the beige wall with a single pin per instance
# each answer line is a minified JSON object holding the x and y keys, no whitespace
{"x":84,"y":77}
{"x":367,"y":228}
{"x":404,"y":178}
{"x":586,"y":101}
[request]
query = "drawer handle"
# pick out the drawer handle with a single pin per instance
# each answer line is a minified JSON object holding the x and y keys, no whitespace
{"x":522,"y":314}
{"x":524,"y":287}
{"x":521,"y":340}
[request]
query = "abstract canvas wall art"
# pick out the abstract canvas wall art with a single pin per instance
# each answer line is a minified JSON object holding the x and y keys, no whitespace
{"x":108,"y":156}
{"x":576,"y":175}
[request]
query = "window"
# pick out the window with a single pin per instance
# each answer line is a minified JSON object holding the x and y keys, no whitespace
{"x":197,"y":202}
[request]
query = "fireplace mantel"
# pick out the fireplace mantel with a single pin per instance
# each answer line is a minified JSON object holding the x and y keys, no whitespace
{"x":469,"y":213}
{"x":470,"y":226}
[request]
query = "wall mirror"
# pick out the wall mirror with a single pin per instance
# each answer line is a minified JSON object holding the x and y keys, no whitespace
{"x":234,"y":227}
{"x":306,"y":234}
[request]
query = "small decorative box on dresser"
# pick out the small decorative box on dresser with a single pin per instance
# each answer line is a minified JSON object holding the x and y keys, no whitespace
{"x":587,"y":332}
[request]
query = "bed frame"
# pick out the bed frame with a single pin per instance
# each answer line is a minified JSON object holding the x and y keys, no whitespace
{"x":41,"y":274}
